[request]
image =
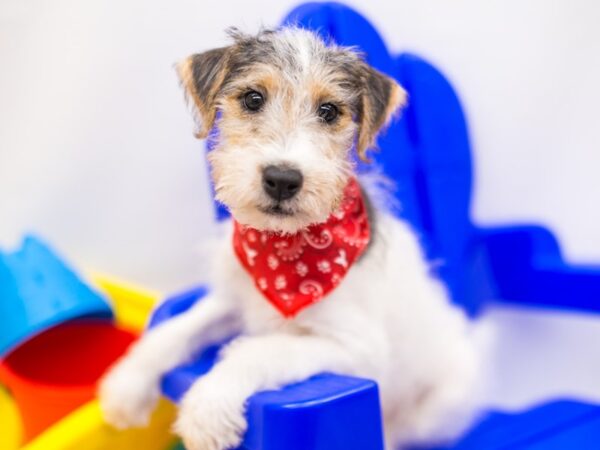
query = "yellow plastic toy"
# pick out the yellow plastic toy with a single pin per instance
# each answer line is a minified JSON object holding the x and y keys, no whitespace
{"x":10,"y":422}
{"x":85,"y":429}
{"x":132,"y":305}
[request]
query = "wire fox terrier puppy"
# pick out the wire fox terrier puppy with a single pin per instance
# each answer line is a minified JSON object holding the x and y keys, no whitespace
{"x":314,"y":279}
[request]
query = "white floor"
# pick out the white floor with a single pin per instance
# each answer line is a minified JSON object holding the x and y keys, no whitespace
{"x":539,"y":355}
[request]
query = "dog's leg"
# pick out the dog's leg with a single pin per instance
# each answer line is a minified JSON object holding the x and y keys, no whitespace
{"x":130,"y":390}
{"x":211,"y":416}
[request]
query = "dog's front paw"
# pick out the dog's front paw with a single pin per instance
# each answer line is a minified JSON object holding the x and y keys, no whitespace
{"x":127,"y":396}
{"x":211,"y":417}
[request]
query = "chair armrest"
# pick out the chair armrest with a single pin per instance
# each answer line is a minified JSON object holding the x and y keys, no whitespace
{"x":325,"y":412}
{"x":527,"y":266}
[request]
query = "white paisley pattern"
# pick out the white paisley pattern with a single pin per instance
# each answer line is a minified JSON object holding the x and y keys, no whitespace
{"x":291,"y":249}
{"x":280,"y":282}
{"x":324,"y":266}
{"x":336,"y":278}
{"x":301,"y":269}
{"x":320,"y":242}
{"x":262,"y":283}
{"x":311,"y":287}
{"x":341,"y":259}
{"x":250,"y":254}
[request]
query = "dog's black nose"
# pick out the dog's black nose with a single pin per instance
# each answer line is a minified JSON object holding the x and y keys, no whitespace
{"x":281,"y":183}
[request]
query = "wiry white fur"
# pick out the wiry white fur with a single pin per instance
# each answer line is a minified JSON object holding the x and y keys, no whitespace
{"x":388,"y":320}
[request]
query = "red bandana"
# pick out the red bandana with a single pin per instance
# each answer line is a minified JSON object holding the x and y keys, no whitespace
{"x":294,"y":271}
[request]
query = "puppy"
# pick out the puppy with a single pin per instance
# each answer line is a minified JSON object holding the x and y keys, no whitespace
{"x":313,"y":279}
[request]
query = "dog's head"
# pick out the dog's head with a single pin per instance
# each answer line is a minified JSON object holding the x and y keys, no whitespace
{"x":290,"y":108}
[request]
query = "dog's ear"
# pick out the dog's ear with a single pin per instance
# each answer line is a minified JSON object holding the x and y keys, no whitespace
{"x":202,"y":76}
{"x":381,"y":97}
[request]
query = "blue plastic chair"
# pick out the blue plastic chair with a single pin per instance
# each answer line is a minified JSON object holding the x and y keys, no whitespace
{"x":427,"y":154}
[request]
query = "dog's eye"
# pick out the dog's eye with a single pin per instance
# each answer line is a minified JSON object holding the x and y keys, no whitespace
{"x":253,"y":100}
{"x":328,"y":112}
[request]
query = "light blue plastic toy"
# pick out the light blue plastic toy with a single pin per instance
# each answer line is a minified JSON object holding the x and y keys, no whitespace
{"x":38,"y":291}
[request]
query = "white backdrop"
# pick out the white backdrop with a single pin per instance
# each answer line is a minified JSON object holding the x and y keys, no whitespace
{"x":96,"y":146}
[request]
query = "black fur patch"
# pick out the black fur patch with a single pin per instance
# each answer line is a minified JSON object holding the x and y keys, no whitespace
{"x":205,"y":70}
{"x":378,"y":88}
